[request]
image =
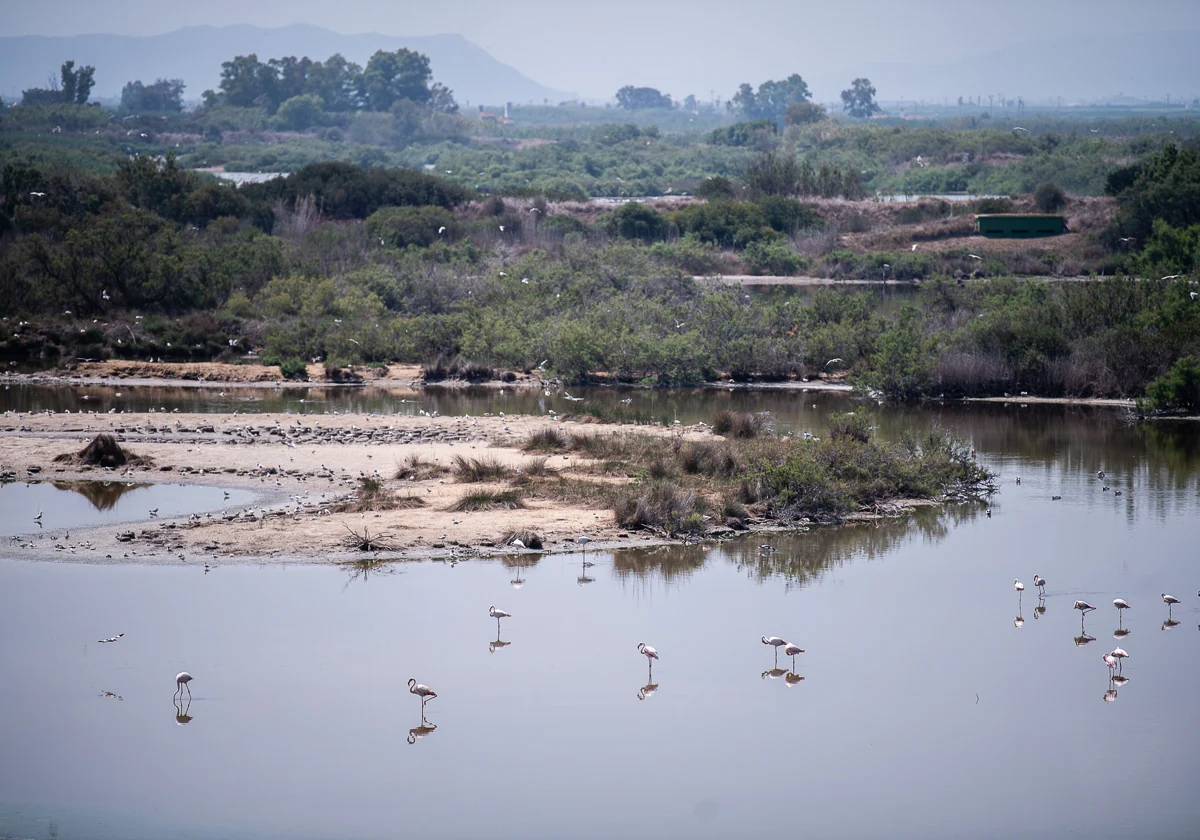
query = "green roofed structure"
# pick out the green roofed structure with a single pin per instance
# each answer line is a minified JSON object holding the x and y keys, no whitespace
{"x":1020,"y":225}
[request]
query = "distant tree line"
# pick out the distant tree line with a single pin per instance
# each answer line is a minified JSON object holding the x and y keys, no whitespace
{"x":72,"y":88}
{"x":332,"y":85}
{"x":162,"y":95}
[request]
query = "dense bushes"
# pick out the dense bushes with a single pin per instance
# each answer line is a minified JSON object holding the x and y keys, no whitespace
{"x":399,"y":227}
{"x":344,"y":191}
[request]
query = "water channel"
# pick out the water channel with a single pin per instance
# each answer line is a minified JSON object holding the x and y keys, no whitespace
{"x":935,"y":700}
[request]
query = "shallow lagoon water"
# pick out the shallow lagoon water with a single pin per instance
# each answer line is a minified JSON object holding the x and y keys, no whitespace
{"x":79,"y":504}
{"x":925,"y":711}
{"x":935,"y":701}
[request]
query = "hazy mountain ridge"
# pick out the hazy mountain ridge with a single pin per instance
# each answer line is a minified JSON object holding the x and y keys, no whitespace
{"x":195,"y":53}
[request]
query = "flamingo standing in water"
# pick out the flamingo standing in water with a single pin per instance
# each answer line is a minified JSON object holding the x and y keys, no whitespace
{"x":1120,"y":655}
{"x":650,"y":653}
{"x":1084,"y":608}
{"x":1110,"y":661}
{"x":792,"y":651}
{"x":1040,"y":583}
{"x":775,"y":642}
{"x":1121,"y":604}
{"x":423,"y":691}
{"x":498,"y":614}
{"x":1170,"y":601}
{"x":181,"y":682}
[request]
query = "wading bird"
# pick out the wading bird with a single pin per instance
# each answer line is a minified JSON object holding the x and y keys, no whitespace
{"x":423,"y":691}
{"x":793,"y":651}
{"x":181,"y":682}
{"x":650,"y":653}
{"x":1040,"y":583}
{"x":1110,"y":661}
{"x":1120,"y":655}
{"x":498,"y":614}
{"x":775,"y":642}
{"x":1084,"y":608}
{"x":1170,"y":601}
{"x":1020,"y":587}
{"x":1121,"y":604}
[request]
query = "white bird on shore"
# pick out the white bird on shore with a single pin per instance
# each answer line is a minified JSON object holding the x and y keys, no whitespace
{"x":422,"y":691}
{"x":914,"y":246}
{"x":516,"y":543}
{"x":498,"y":614}
{"x":650,"y":653}
{"x":181,"y":682}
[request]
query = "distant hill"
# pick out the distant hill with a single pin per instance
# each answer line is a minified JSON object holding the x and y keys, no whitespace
{"x":1085,"y":67}
{"x":195,"y":53}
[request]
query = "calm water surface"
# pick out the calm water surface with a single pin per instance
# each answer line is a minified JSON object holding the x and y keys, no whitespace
{"x":934,"y":703}
{"x":79,"y":504}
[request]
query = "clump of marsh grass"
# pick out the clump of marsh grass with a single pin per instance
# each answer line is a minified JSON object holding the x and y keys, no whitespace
{"x":416,"y":467}
{"x":741,"y":424}
{"x":489,"y":500}
{"x":527,"y":538}
{"x":366,"y":541}
{"x":662,"y":506}
{"x":475,"y":470}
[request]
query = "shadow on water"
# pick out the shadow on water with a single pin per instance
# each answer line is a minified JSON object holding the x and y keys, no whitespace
{"x":103,"y":495}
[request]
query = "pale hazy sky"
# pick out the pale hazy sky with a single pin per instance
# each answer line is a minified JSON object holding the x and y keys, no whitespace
{"x":680,"y":47}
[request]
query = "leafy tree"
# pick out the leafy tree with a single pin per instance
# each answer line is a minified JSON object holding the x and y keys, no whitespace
{"x":441,"y":99}
{"x":804,"y":113}
{"x":336,"y":81}
{"x":1167,"y":187}
{"x":635,"y":220}
{"x":1170,"y":250}
{"x":390,"y":76}
{"x":300,"y":112}
{"x":74,"y":88}
{"x":163,"y":95}
{"x":637,"y":98}
{"x":291,"y":76}
{"x":247,"y":82}
{"x":399,"y":227}
{"x":772,"y":98}
{"x":859,"y":99}
{"x":76,"y":84}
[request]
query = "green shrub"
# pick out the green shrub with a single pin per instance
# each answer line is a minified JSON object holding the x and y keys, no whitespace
{"x":1178,"y":389}
{"x":635,"y":220}
{"x":774,"y":257}
{"x":399,"y":227}
{"x":1048,"y":198}
{"x":293,"y":369}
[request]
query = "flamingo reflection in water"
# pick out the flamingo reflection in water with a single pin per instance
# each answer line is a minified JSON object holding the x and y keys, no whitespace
{"x":647,"y":691}
{"x":773,"y":673}
{"x":1084,"y":639}
{"x":418,"y":732}
{"x":1040,"y":609}
{"x":182,"y":718}
{"x":1169,"y":624}
{"x":498,"y":644}
{"x":791,"y":679}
